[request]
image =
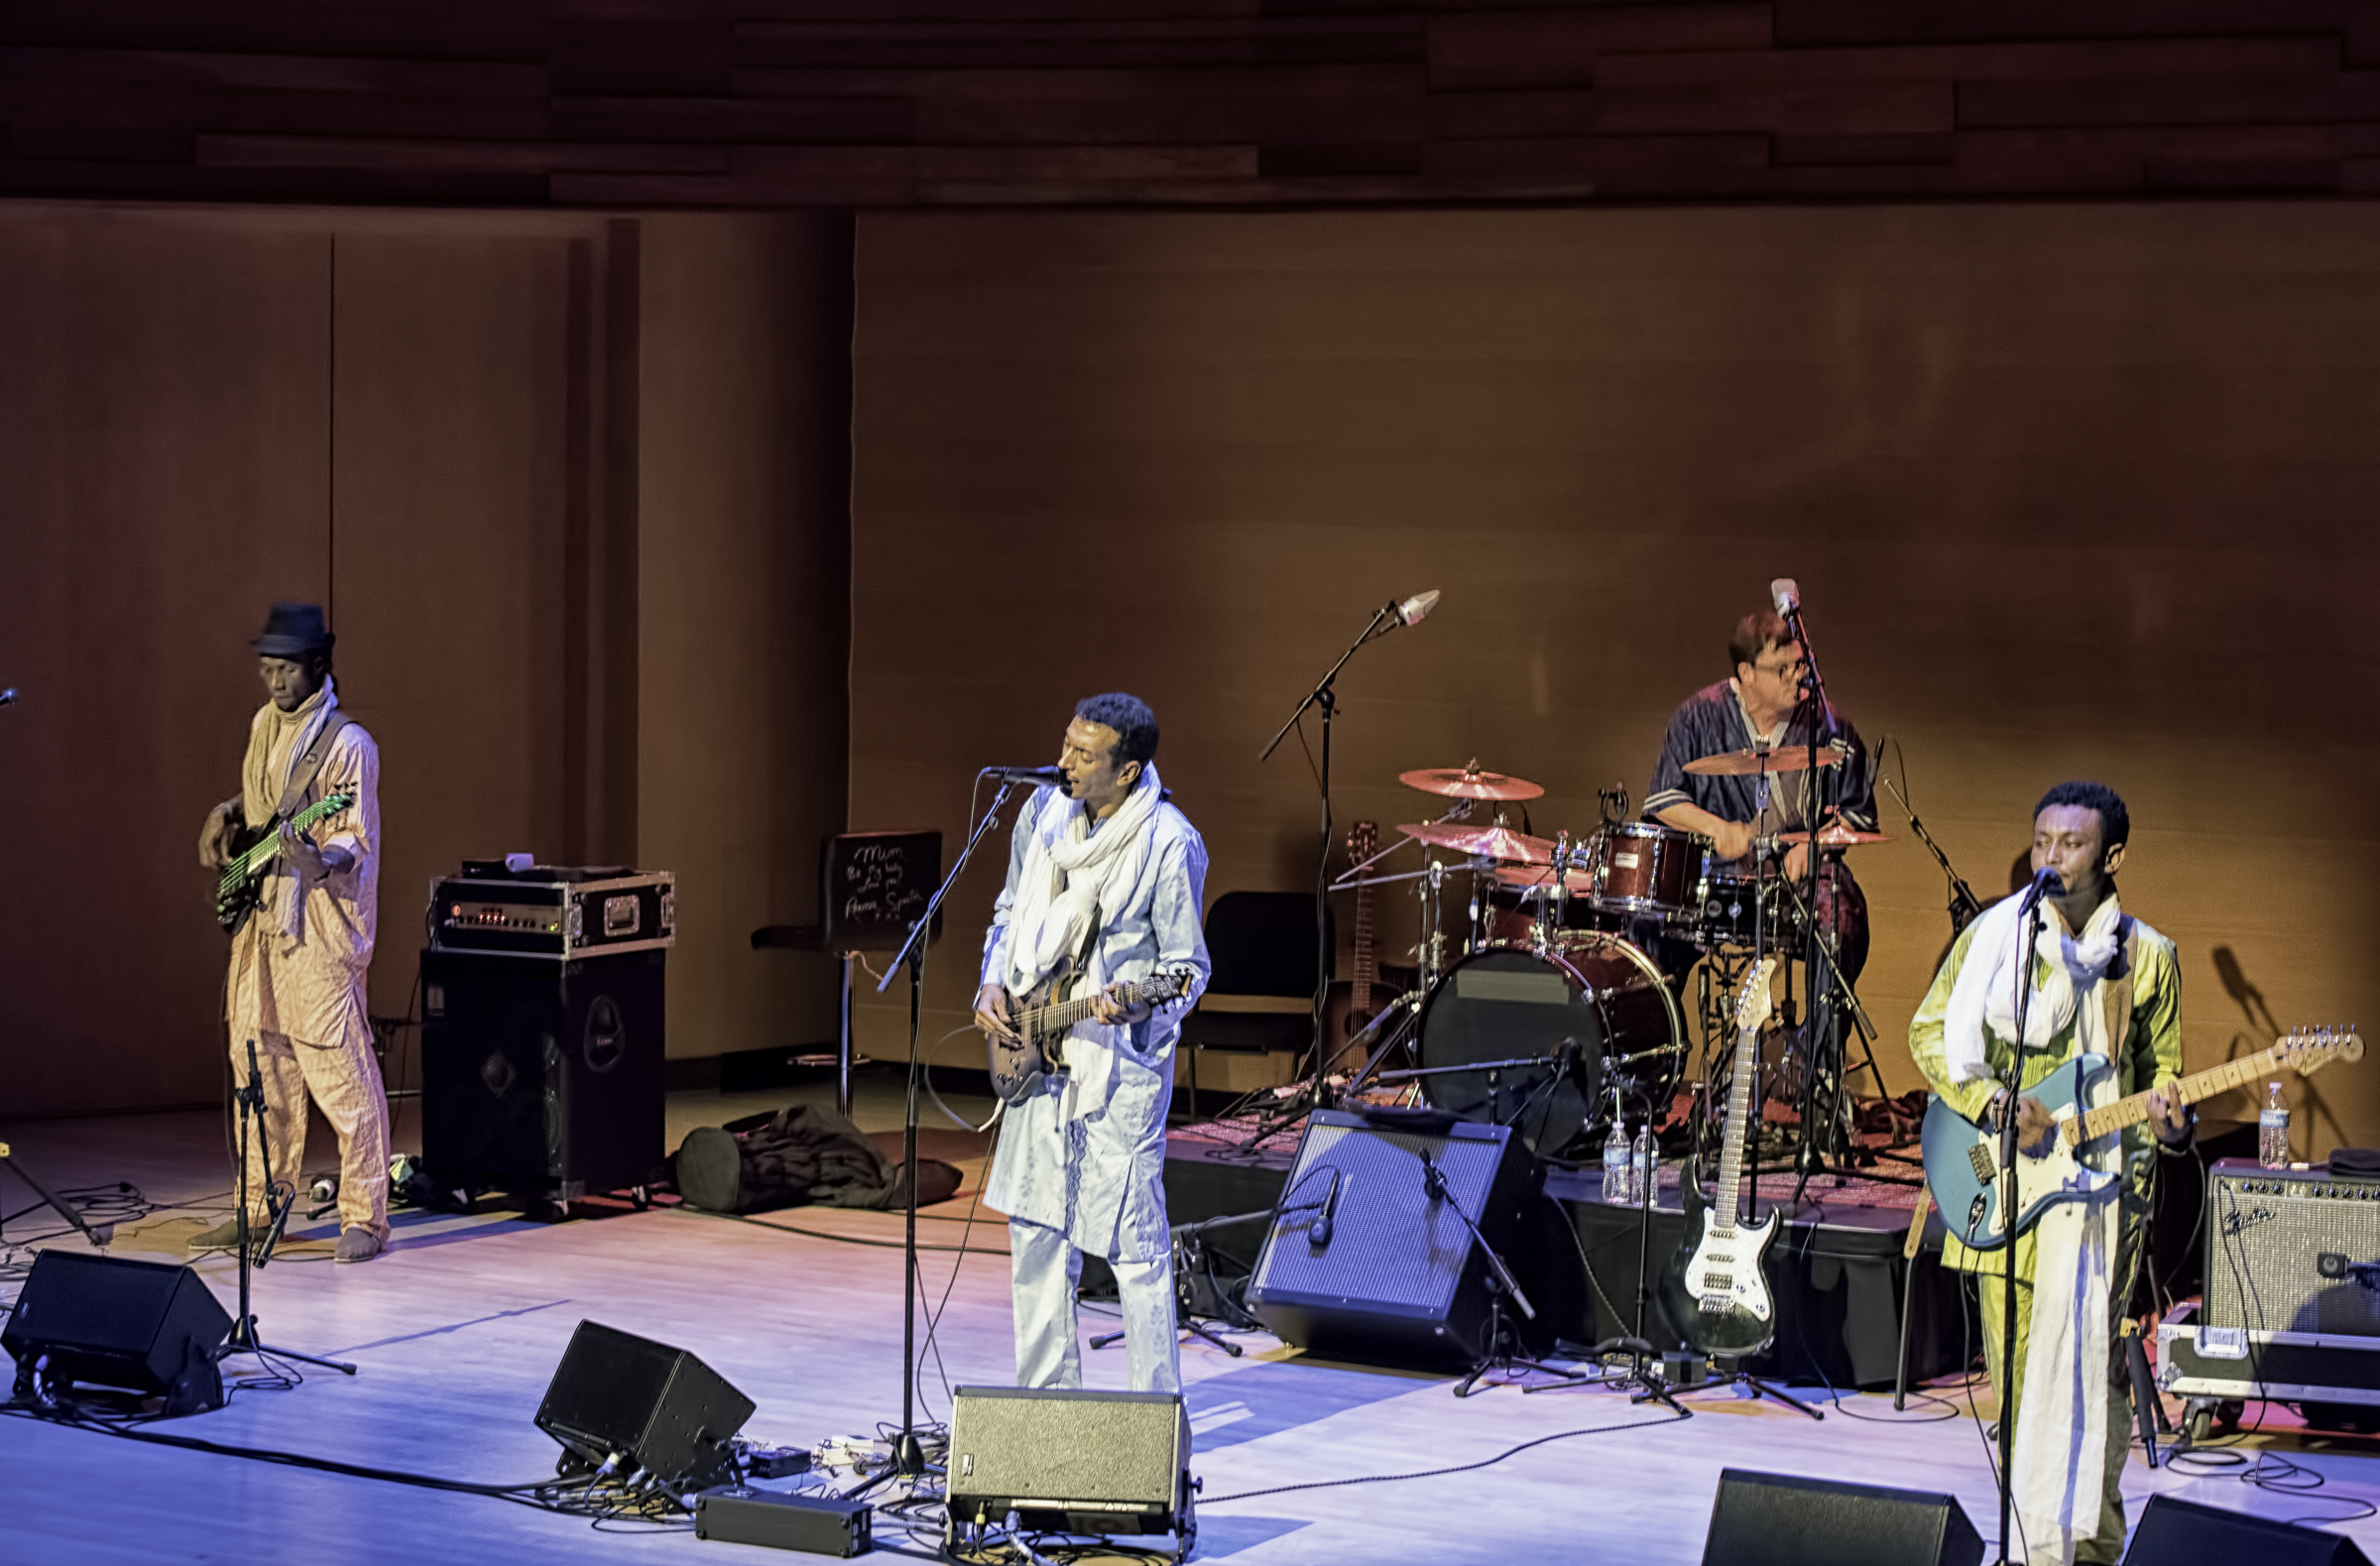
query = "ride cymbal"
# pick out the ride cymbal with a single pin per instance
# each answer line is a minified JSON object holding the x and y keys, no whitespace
{"x":1760,"y":759}
{"x":1469,"y":783}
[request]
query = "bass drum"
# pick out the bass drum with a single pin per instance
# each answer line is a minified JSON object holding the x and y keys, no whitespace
{"x":1596,"y":998}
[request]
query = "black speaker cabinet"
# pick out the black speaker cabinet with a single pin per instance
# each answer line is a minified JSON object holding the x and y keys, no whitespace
{"x":2185,"y":1533}
{"x":1399,"y":1279}
{"x":650,"y":1405}
{"x":145,"y":1326}
{"x":1775,"y":1519}
{"x":1070,"y":1461}
{"x":541,"y":1077}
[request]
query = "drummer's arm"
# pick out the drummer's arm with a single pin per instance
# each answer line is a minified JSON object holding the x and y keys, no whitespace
{"x":1730,"y":839}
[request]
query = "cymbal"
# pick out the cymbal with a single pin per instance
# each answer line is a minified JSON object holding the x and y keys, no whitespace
{"x":1836,"y":835}
{"x":1540,"y":878}
{"x":1488,"y":842}
{"x":1745,"y":764}
{"x":1469,"y":783}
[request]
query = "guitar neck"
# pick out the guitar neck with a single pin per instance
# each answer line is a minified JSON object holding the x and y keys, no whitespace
{"x":1740,"y":1104}
{"x":1062,"y":1014}
{"x":262,"y":852}
{"x":1366,"y":970}
{"x":2094,"y":1124}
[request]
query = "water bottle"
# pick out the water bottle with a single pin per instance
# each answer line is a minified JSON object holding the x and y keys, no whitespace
{"x":1648,"y":1163}
{"x":2272,"y":1130}
{"x":1618,"y":1178}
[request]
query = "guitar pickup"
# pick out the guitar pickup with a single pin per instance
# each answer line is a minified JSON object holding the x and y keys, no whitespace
{"x":1980,"y":1159}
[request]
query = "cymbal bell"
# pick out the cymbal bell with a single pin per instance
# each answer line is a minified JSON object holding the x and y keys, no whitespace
{"x":1487,"y":842}
{"x":1761,"y":759}
{"x":1836,"y":835}
{"x":1469,"y":783}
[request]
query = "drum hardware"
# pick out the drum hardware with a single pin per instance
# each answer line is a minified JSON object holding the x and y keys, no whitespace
{"x":1467,"y":782}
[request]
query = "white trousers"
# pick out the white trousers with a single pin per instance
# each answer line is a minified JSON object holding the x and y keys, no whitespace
{"x":1044,"y":1269}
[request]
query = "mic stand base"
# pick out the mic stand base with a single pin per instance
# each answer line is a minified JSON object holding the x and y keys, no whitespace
{"x":1498,"y":1357}
{"x":1753,"y":1387}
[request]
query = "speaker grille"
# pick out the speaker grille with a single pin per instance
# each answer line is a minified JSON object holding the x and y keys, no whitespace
{"x":2270,"y":1236}
{"x":1391,"y":1246}
{"x":1074,"y":1451}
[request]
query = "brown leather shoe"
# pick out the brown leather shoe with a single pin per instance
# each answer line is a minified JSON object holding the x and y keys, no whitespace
{"x":356,"y":1245}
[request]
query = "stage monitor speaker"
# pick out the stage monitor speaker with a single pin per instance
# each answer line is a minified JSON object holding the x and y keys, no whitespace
{"x":150,"y":1327}
{"x":2185,"y":1533}
{"x":1070,"y":1461}
{"x":1775,"y":1519}
{"x":650,"y":1405}
{"x":1396,"y":1278}
{"x":538,"y":1077}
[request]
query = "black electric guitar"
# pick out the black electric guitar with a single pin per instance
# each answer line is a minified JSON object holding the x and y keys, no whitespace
{"x":1714,"y":1291}
{"x":1043,"y":1022}
{"x":257,"y":847}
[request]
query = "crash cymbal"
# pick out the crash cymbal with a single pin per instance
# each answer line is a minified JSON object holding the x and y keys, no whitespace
{"x":1488,"y":842}
{"x":1540,"y":878}
{"x":1745,"y":764}
{"x":1836,"y":835}
{"x":1469,"y":783}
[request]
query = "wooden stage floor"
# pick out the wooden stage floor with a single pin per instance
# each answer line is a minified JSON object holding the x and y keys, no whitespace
{"x":458,"y":1328}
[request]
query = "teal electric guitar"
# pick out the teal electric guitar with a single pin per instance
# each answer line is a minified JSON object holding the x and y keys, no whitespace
{"x":243,"y":879}
{"x":2085,"y":1154}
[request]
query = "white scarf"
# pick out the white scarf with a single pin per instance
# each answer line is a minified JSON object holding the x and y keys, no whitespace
{"x":265,"y":778}
{"x":2062,"y":1430}
{"x":1073,"y":880}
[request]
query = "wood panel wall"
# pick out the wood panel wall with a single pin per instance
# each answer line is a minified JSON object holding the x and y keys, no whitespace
{"x":2071,"y":491}
{"x":1167,"y":102}
{"x":436,"y":422}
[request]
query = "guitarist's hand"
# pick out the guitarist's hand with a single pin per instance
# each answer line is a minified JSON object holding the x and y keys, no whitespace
{"x":2034,"y":1123}
{"x":2169,"y":1117}
{"x":1107,"y":1008}
{"x":992,"y":1012}
{"x":215,"y":839}
{"x":311,"y":863}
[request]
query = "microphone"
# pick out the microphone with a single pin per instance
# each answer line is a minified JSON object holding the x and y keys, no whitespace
{"x":8,"y":697}
{"x":2047,"y":883}
{"x":1038,"y":776}
{"x":1786,"y":594}
{"x":1318,"y":1232}
{"x":1412,"y":611}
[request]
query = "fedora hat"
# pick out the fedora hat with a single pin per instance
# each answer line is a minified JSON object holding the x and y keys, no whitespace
{"x":293,"y":631}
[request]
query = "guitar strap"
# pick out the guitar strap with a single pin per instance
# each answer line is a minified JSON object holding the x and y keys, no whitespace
{"x":309,"y":765}
{"x":2118,"y":999}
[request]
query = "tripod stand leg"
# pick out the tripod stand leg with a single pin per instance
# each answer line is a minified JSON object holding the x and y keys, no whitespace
{"x":1761,"y":1388}
{"x":99,"y":1236}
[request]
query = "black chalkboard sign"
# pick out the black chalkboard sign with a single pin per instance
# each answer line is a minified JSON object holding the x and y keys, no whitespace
{"x":877,"y":884}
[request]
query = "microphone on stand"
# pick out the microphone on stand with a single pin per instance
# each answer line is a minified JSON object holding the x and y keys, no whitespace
{"x":1786,"y":594}
{"x":1318,"y":1231}
{"x":1412,"y":611}
{"x":1036,"y":776}
{"x":8,"y":697}
{"x":2047,"y":883}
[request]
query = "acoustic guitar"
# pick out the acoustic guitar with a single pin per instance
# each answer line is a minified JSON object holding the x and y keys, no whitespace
{"x":2085,"y":1154}
{"x":242,"y":883}
{"x":1714,"y":1291}
{"x":1019,"y":1065}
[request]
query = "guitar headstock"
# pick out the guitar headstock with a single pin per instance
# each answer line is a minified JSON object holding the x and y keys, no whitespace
{"x":1362,"y":841}
{"x":2307,"y":1051}
{"x":1164,"y":986}
{"x":1755,"y":1003}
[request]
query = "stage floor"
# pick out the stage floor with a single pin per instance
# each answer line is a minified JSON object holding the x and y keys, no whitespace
{"x":458,"y":1328}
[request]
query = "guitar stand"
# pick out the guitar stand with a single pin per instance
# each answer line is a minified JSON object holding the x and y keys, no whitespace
{"x":1753,"y":1387}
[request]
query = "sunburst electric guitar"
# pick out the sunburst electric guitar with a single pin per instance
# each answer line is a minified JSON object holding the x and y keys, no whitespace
{"x":2086,"y":1153}
{"x":1716,"y":1291}
{"x":1043,"y":1020}
{"x":243,"y":879}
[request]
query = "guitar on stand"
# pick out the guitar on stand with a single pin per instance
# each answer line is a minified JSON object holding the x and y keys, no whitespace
{"x":1714,"y":1291}
{"x":1350,"y":1013}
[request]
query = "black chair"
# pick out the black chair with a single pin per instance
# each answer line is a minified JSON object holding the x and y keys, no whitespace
{"x":1260,"y":998}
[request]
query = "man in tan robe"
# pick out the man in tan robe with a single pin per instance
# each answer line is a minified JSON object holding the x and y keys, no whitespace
{"x":299,"y":957}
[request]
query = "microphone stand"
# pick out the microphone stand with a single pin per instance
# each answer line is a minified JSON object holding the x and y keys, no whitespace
{"x":1325,"y":697}
{"x":1824,"y":1020}
{"x":250,"y":1101}
{"x":2029,"y":935}
{"x":1964,"y":904}
{"x":909,"y":1454}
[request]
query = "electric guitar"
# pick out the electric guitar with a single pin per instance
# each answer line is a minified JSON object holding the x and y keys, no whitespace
{"x":1714,"y":1291}
{"x":243,"y":879}
{"x":1043,"y":1022}
{"x":2084,"y":1156}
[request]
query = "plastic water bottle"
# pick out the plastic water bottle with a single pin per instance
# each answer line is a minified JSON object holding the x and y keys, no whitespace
{"x":1618,"y":1177}
{"x":2272,"y":1130}
{"x":1648,"y":1164}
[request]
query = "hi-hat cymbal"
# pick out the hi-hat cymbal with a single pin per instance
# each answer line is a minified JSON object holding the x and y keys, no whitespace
{"x":1488,"y":842}
{"x":1540,"y":878}
{"x":1760,"y":759}
{"x":1836,"y":835}
{"x":1469,"y":783}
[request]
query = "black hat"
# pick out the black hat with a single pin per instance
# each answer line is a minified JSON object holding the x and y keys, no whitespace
{"x":293,"y":631}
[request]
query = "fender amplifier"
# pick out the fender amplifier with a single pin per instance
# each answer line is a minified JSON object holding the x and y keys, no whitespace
{"x":2293,"y":1251}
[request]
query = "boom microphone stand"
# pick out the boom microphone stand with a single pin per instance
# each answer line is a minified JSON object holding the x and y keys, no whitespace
{"x":1386,"y":618}
{"x":909,"y":1454}
{"x":1964,"y":904}
{"x":2028,"y":931}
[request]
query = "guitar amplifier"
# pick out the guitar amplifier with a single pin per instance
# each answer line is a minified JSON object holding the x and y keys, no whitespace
{"x":559,"y":913}
{"x":2291,"y":1251}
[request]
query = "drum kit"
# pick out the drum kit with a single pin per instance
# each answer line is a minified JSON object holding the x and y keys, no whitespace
{"x":1556,"y":993}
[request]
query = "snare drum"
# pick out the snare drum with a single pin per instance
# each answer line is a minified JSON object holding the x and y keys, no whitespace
{"x":1641,"y":868}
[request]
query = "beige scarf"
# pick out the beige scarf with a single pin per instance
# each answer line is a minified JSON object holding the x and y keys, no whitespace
{"x":276,"y":739}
